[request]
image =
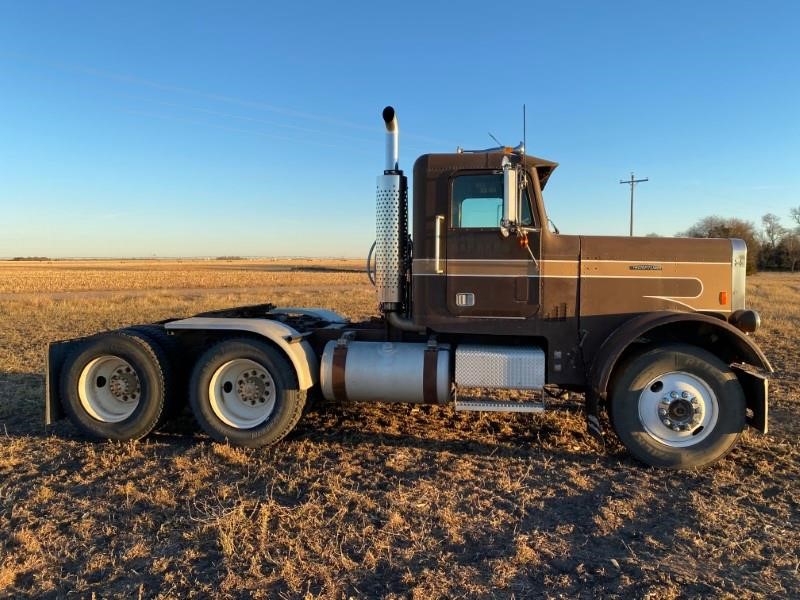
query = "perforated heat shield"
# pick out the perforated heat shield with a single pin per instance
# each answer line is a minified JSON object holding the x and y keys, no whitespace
{"x":388,"y":259}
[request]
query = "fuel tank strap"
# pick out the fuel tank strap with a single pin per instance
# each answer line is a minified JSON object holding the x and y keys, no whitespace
{"x":429,"y":367}
{"x":337,"y":373}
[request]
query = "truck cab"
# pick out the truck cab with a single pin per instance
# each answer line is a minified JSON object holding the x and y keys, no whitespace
{"x":567,"y":293}
{"x":468,"y":276}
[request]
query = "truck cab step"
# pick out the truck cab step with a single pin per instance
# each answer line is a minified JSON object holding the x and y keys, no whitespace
{"x":491,"y":406}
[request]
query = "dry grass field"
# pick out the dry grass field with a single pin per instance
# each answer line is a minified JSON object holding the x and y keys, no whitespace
{"x":368,"y":501}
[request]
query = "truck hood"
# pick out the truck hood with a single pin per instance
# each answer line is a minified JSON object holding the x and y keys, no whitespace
{"x":629,"y":275}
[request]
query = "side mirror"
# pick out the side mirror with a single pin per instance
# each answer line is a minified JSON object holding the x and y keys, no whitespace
{"x":510,"y":197}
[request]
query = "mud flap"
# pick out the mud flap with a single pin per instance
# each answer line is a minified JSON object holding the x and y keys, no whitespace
{"x":592,"y":410}
{"x":56,"y":352}
{"x":756,"y":391}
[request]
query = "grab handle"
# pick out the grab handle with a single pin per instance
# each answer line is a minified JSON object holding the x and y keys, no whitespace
{"x":438,"y":244}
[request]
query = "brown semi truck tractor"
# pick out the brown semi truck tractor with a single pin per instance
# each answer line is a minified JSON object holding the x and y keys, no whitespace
{"x":653,"y":330}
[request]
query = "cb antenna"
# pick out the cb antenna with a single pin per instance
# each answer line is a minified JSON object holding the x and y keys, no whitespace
{"x":524,"y":133}
{"x":494,"y":138}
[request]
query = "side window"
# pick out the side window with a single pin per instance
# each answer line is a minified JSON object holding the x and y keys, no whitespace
{"x":525,"y":214}
{"x":478,"y":202}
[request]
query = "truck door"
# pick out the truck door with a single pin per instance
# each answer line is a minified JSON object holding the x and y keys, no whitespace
{"x":489,"y":275}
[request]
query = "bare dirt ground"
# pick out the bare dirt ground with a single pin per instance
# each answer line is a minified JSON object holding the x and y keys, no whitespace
{"x":369,"y":501}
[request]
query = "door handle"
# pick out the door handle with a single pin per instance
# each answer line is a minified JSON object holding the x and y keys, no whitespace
{"x":437,"y":251}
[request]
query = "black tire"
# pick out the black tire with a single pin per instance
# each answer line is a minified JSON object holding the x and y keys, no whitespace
{"x":288,"y":400}
{"x":636,"y":419}
{"x":148,"y":364}
{"x":168,"y":351}
{"x":157,"y":334}
{"x":314,"y":400}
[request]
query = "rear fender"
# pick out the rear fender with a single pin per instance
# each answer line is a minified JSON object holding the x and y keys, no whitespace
{"x":287,"y":339}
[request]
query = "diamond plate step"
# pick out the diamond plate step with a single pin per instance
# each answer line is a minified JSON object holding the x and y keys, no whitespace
{"x":488,"y":405}
{"x":500,"y":367}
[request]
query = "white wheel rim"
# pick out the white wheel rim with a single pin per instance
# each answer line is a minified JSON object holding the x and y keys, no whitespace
{"x":678,"y":409}
{"x":109,"y":389}
{"x":242,"y":393}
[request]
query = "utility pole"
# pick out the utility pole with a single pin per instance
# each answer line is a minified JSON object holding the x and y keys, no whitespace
{"x":632,"y":182}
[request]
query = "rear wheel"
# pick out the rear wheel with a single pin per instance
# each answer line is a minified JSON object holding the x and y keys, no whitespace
{"x":113,"y":386}
{"x":677,"y":406}
{"x":173,"y":364}
{"x":245,"y":392}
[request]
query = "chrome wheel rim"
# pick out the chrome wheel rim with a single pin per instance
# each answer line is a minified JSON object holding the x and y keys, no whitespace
{"x":242,"y":393}
{"x":109,"y":389}
{"x":678,"y":409}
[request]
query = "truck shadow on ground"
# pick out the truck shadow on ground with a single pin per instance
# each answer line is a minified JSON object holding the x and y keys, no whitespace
{"x":22,"y":404}
{"x":379,"y":425}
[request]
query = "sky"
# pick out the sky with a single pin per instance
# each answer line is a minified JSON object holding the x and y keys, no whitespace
{"x":253,"y":128}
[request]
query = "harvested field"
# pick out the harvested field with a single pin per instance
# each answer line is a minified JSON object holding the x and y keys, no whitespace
{"x":368,"y":501}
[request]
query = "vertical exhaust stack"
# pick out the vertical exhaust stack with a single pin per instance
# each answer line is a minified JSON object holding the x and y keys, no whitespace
{"x":391,"y":223}
{"x":392,"y":139}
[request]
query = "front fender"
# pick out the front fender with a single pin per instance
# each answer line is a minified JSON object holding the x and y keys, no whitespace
{"x":696,"y":328}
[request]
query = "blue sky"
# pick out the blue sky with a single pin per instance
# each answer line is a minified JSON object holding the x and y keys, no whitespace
{"x":202,"y":129}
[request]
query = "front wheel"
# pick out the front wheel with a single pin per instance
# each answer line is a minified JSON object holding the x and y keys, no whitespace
{"x":677,"y":406}
{"x":245,"y":392}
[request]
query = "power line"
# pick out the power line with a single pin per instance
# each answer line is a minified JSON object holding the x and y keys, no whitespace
{"x":632,"y":182}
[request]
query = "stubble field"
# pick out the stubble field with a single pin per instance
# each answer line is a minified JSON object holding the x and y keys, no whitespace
{"x":368,"y":501}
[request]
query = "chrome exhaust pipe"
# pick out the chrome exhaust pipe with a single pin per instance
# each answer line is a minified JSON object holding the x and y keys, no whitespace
{"x":392,"y":139}
{"x":390,"y":226}
{"x":392,"y":233}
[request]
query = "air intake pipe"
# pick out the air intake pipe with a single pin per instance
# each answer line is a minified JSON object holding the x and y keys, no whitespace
{"x":404,"y":323}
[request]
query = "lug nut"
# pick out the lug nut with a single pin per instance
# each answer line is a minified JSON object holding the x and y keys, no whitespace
{"x":673,"y":395}
{"x":684,"y":395}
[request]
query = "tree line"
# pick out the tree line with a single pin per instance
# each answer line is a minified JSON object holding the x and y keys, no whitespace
{"x":773,"y":247}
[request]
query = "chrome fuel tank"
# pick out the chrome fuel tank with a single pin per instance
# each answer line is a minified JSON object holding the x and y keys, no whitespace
{"x":385,"y":371}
